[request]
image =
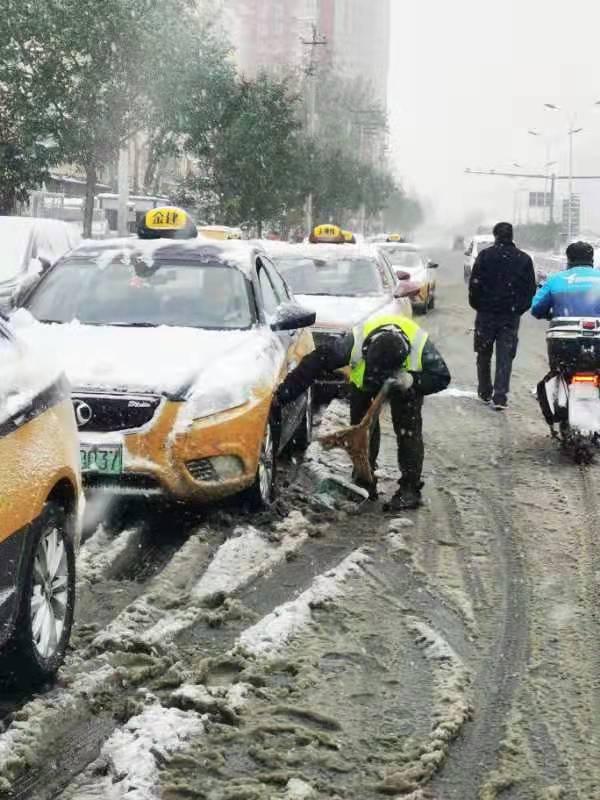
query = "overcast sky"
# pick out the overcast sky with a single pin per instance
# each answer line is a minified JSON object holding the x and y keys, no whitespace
{"x":467,"y":80}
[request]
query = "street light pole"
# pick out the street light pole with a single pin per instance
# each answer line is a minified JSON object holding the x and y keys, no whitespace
{"x":572,"y":131}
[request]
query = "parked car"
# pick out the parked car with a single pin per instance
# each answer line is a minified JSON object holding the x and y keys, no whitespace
{"x":344,"y":284}
{"x":175,"y":349}
{"x":27,"y":246}
{"x":411,"y":264}
{"x":40,"y":487}
{"x":476,"y":245}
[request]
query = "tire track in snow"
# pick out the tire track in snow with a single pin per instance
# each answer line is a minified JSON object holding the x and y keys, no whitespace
{"x":475,"y":755}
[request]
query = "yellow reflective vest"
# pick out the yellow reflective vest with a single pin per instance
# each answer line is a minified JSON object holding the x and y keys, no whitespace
{"x":415,"y":335}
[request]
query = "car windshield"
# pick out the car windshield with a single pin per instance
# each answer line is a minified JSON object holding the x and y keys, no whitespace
{"x":350,"y":277}
{"x":175,"y":294}
{"x":399,"y":257}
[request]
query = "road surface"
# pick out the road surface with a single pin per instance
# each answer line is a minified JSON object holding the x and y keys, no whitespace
{"x":321,"y":652}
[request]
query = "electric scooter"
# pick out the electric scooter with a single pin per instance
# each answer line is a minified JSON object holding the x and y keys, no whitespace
{"x":569,"y":395}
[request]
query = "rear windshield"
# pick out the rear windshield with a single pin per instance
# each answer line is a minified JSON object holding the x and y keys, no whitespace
{"x":401,"y":257}
{"x":350,"y":277}
{"x":182,"y":295}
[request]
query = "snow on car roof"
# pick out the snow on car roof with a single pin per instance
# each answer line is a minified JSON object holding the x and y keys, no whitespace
{"x":318,"y":251}
{"x":232,"y":252}
{"x":408,"y":246}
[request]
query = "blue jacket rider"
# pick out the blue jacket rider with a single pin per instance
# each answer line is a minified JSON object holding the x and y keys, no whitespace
{"x":574,"y":292}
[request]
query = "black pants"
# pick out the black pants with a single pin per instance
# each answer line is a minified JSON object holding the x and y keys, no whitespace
{"x":408,"y":427}
{"x":501,"y":330}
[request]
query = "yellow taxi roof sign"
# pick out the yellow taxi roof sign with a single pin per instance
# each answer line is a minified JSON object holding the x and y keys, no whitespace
{"x":395,"y":237}
{"x":327,"y":234}
{"x":349,"y":237}
{"x":168,"y":222}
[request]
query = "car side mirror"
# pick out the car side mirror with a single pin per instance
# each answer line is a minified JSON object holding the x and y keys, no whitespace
{"x":407,"y":289}
{"x":402,"y":276}
{"x":432,"y":264}
{"x":292,"y":317}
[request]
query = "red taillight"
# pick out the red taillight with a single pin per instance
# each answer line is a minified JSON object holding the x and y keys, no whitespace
{"x":585,"y":377}
{"x":589,"y":324}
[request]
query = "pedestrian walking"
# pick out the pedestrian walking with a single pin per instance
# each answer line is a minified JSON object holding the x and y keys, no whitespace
{"x":501,"y":289}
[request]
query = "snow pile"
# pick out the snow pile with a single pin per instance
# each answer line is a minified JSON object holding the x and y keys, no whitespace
{"x":102,"y":554}
{"x":160,"y":360}
{"x":124,"y":632}
{"x":132,"y":755}
{"x":226,"y":701}
{"x":238,"y":562}
{"x":297,"y":789}
{"x":458,"y":393}
{"x":246,"y":556}
{"x":273,"y":632}
{"x":452,"y":709}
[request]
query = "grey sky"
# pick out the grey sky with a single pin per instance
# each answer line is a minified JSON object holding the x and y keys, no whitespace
{"x":469,"y":77}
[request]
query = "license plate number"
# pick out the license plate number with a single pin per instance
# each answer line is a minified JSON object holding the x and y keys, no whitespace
{"x":101,"y":460}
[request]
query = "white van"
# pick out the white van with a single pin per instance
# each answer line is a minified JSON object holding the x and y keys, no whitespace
{"x":28,"y":245}
{"x":476,"y":245}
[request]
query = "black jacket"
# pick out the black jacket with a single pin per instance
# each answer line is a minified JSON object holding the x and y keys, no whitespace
{"x":502,"y":281}
{"x":335,"y":355}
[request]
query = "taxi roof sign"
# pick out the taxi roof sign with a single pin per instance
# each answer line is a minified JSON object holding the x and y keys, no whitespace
{"x":168,"y":222}
{"x":327,"y":234}
{"x":395,"y":237}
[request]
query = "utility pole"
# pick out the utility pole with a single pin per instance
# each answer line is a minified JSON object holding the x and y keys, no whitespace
{"x":311,"y":71}
{"x":123,"y":205}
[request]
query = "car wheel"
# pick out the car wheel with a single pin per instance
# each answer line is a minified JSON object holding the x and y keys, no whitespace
{"x":432,"y":301}
{"x":303,"y":436}
{"x":46,"y":602}
{"x":261,"y":494}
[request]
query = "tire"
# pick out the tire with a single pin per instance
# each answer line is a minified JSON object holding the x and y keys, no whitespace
{"x":303,"y":435}
{"x":432,"y":301}
{"x":420,"y":309}
{"x":262,"y":492}
{"x":46,"y":602}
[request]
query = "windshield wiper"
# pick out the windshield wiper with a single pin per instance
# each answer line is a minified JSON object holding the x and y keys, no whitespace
{"x":130,"y":324}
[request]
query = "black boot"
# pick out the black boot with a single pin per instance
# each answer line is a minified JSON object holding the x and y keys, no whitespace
{"x":407,"y":498}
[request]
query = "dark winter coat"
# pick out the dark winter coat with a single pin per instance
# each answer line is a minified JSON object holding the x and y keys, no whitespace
{"x":433,"y":378}
{"x":502,"y":281}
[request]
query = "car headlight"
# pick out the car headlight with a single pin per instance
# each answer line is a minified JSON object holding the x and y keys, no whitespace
{"x":216,"y":401}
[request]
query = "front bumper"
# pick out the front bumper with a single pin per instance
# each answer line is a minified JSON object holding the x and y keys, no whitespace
{"x":157,"y":460}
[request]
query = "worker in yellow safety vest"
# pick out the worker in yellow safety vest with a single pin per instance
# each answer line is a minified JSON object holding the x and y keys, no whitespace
{"x":385,"y":348}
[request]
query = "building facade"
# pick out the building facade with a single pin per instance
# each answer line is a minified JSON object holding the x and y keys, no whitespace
{"x":269,"y":34}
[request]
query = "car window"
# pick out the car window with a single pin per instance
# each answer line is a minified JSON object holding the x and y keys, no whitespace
{"x":342,"y":276}
{"x":385,"y":273}
{"x":278,"y":282}
{"x":483,"y":246}
{"x":404,"y":258}
{"x":271,"y":300}
{"x":192,"y":295}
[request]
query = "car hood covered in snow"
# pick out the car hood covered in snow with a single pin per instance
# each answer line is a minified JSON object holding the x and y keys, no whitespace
{"x":163,"y":360}
{"x":341,"y":313}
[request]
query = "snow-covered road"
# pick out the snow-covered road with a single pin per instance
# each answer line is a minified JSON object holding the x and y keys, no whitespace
{"x":318,"y":653}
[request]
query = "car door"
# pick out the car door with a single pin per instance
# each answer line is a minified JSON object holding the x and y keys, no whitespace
{"x":393,"y":305}
{"x":274,"y":294}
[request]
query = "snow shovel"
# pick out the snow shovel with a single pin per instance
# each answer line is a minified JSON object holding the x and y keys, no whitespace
{"x":355,"y":440}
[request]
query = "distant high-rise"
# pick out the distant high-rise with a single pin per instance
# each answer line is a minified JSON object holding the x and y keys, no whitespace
{"x":268,"y":34}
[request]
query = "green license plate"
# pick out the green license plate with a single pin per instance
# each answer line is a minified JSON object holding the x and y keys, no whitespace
{"x":101,"y":460}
